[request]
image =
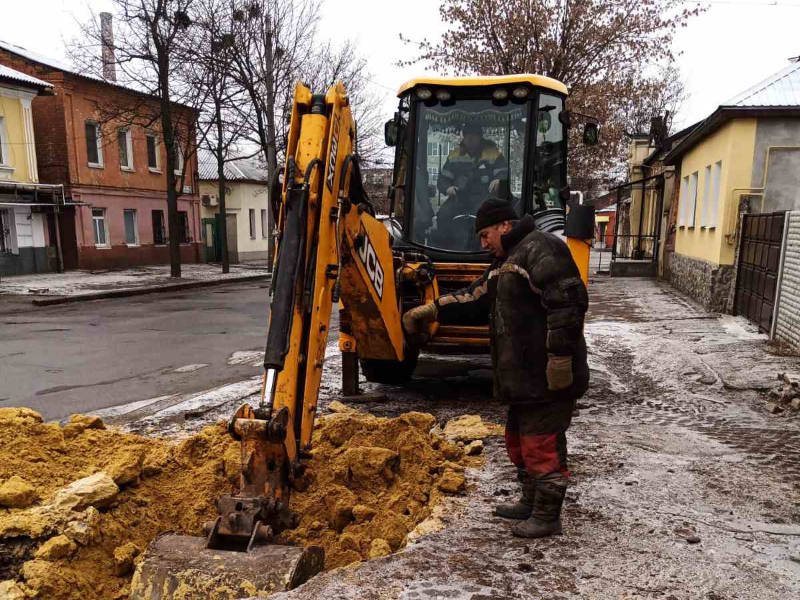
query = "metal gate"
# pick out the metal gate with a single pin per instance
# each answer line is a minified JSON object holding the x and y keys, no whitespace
{"x":759,"y":263}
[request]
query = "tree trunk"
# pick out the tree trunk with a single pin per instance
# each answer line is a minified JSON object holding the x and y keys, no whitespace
{"x":172,"y":192}
{"x":271,"y":148}
{"x":223,"y":227}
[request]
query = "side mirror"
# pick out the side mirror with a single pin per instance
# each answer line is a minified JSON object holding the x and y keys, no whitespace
{"x":591,"y":134}
{"x":390,"y":132}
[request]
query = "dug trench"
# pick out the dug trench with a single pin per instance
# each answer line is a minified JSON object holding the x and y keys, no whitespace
{"x":80,"y":503}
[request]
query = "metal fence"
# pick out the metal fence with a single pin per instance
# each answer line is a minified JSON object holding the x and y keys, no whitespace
{"x":639,"y":204}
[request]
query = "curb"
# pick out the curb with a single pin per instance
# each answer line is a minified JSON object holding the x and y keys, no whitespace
{"x":175,"y":287}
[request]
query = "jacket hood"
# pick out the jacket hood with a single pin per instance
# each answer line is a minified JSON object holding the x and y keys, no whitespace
{"x":523,"y":227}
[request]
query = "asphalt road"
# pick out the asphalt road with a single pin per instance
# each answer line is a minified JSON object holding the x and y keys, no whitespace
{"x":92,"y":355}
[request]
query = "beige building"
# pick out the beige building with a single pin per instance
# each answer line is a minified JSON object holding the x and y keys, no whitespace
{"x":246,"y":206}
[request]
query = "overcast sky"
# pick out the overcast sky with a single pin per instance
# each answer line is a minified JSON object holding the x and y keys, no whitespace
{"x":730,"y":48}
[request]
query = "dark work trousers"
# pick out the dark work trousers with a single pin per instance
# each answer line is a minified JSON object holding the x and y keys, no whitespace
{"x":536,"y":437}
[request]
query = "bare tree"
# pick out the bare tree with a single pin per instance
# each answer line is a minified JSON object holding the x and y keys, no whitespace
{"x":343,"y":63}
{"x":149,"y":52}
{"x":609,"y":54}
{"x":213,"y":53}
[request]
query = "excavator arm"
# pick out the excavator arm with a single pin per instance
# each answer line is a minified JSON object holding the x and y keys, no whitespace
{"x":330,"y":250}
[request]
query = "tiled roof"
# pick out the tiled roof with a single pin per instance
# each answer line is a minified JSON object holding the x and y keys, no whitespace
{"x":8,"y":73}
{"x":780,"y":89}
{"x":242,"y":169}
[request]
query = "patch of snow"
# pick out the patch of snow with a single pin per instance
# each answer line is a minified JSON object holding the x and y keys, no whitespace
{"x":253,"y":358}
{"x":740,"y":328}
{"x":77,"y":283}
{"x":116,"y":411}
{"x":190,"y":368}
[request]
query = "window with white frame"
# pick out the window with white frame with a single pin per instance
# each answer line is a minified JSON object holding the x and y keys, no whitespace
{"x":152,"y":152}
{"x":433,"y":175}
{"x":94,"y":147}
{"x":131,"y":227}
{"x":125,"y":145}
{"x":252,"y":223}
{"x":264,"y":224}
{"x":178,"y":158}
{"x":692,"y":204}
{"x":682,"y":202}
{"x":706,"y":196}
{"x":715,"y":191}
{"x":3,"y":142}
{"x":100,"y":227}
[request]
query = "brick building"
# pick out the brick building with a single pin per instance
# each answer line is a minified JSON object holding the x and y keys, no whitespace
{"x":113,"y":174}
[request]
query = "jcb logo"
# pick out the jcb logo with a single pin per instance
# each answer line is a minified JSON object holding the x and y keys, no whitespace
{"x":371,"y":263}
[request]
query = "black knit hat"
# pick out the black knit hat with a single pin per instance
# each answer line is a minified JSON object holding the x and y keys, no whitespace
{"x":494,"y":211}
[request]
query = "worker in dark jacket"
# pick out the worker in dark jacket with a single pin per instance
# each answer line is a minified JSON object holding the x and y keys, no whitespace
{"x":537,"y":302}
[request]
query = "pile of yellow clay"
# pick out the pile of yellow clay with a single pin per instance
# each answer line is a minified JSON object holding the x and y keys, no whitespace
{"x":80,"y":503}
{"x":372,"y":481}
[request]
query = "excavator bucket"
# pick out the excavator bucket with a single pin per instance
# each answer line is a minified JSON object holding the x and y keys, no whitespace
{"x":178,"y":567}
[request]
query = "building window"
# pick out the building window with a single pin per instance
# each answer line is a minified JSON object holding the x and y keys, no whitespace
{"x":682,"y":201}
{"x":131,"y":227}
{"x":178,"y":158}
{"x":125,"y":145}
{"x":715,"y":186}
{"x":100,"y":227}
{"x":252,"y":223}
{"x":264,"y":225}
{"x":433,"y":175}
{"x":183,"y":226}
{"x":706,"y":189}
{"x":692,"y":204}
{"x":152,"y":152}
{"x":8,"y":235}
{"x":3,"y":142}
{"x":159,"y":232}
{"x":94,"y":149}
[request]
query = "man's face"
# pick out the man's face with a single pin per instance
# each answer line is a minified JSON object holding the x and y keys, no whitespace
{"x":490,"y":238}
{"x":472,"y":142}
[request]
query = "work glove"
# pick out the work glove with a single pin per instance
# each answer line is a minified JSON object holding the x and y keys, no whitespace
{"x":559,"y":372}
{"x":417,"y":321}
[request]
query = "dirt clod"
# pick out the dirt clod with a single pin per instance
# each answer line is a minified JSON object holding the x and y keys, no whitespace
{"x":57,"y":547}
{"x":123,"y":559}
{"x":17,"y":493}
{"x":468,"y":428}
{"x":379,"y":548}
{"x":452,"y":482}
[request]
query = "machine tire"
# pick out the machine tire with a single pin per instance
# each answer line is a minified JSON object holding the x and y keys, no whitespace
{"x":390,"y":371}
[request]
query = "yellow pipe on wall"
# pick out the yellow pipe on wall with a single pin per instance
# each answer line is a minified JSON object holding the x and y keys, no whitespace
{"x":730,"y":227}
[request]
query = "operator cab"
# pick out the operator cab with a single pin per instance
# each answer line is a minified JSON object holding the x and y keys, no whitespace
{"x":459,"y":141}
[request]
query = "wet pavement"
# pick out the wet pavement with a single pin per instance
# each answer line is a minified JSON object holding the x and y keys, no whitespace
{"x":93,"y":355}
{"x":672,"y":445}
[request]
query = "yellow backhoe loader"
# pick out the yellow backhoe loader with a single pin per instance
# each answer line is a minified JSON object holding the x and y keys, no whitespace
{"x":457,"y":141}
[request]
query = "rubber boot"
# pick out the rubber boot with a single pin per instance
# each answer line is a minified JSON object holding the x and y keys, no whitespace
{"x":545,"y":519}
{"x":521,"y":509}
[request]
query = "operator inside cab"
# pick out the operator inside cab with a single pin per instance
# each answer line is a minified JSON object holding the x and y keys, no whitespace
{"x":473,"y":169}
{"x":465,"y":153}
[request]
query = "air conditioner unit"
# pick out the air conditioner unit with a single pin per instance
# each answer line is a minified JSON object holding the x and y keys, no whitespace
{"x":209,"y":200}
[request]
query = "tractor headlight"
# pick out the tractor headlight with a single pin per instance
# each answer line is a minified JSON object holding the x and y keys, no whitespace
{"x":500,"y":94}
{"x":520,"y":92}
{"x":442,"y":95}
{"x":424,"y":94}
